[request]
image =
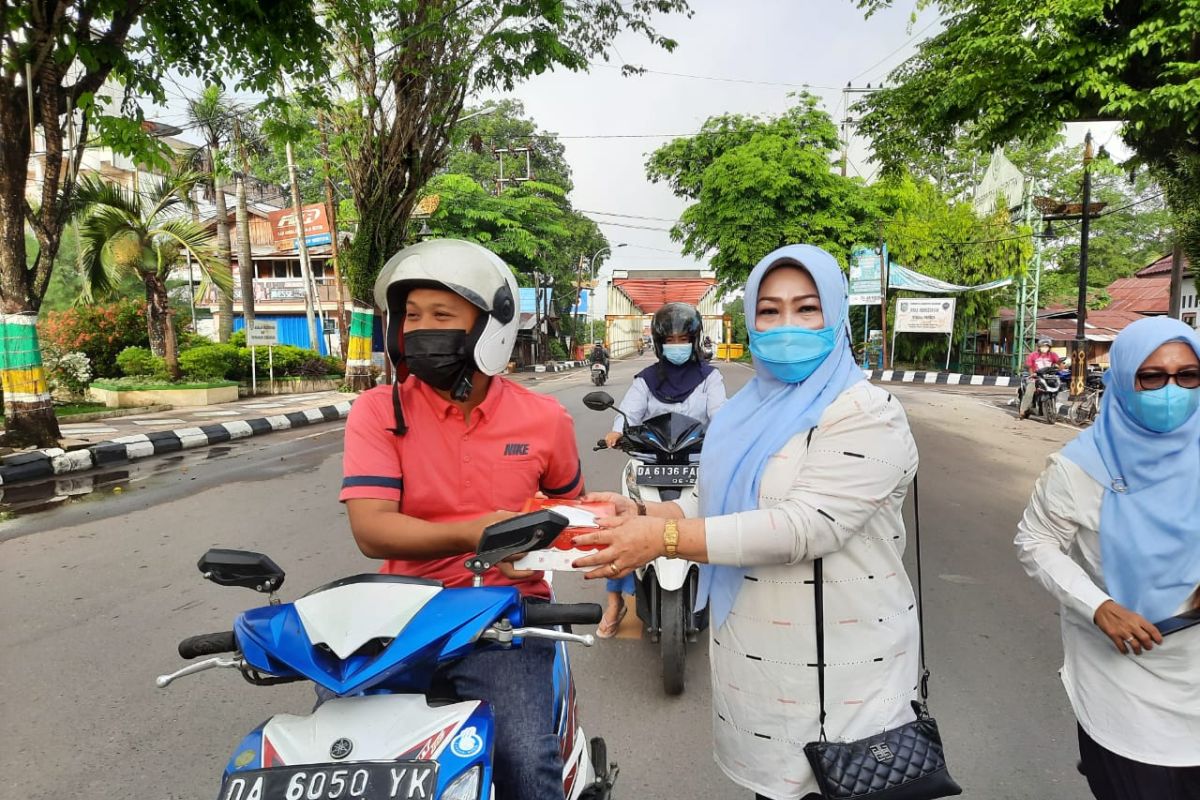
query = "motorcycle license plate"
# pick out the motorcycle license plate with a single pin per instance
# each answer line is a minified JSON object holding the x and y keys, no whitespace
{"x":389,"y":780}
{"x":665,"y":475}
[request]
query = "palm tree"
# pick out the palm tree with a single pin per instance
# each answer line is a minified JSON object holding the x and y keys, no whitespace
{"x":212,"y":115}
{"x":125,"y":233}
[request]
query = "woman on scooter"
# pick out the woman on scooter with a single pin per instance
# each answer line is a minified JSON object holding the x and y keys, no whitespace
{"x":807,"y":461}
{"x":1112,"y":532}
{"x":681,"y":381}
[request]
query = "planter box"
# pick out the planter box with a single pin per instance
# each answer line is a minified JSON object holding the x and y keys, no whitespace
{"x":173,"y":397}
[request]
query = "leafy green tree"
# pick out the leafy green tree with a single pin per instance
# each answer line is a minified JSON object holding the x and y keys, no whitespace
{"x":411,"y":65}
{"x":54,"y":60}
{"x":936,"y":236}
{"x":1015,"y":70}
{"x":125,"y":233}
{"x":761,"y":182}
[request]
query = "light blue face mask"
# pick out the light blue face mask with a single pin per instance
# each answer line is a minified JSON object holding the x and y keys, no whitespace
{"x":677,"y":354}
{"x":791,"y":353}
{"x":1163,"y":410}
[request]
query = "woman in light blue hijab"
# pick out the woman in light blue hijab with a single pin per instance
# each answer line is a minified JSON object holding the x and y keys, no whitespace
{"x":1113,"y":532}
{"x":807,"y":461}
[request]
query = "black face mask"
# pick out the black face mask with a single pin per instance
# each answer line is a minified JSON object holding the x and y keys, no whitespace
{"x":438,"y":357}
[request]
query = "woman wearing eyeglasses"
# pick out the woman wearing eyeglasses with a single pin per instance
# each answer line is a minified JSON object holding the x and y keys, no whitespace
{"x":1113,"y":532}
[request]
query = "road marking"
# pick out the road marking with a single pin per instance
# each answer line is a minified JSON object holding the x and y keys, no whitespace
{"x":215,"y":414}
{"x":159,"y":421}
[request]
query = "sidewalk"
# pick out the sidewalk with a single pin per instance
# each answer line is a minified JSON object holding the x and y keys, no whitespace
{"x":108,"y":441}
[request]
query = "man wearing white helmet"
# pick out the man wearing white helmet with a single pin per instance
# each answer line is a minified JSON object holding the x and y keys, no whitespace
{"x":450,"y":448}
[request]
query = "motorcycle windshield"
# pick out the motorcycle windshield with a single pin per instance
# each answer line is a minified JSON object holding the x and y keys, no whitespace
{"x":672,"y":433}
{"x":372,"y":631}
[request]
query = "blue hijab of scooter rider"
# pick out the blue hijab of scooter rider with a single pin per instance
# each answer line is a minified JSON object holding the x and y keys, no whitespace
{"x":799,"y":372}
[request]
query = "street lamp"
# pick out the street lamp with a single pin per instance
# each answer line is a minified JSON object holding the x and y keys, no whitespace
{"x":592,"y":278}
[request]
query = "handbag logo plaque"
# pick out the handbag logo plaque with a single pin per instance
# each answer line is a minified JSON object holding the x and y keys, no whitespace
{"x":882,"y":753}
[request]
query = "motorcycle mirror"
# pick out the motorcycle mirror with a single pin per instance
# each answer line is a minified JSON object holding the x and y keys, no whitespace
{"x":242,"y":568}
{"x":598,"y":401}
{"x":521,"y":534}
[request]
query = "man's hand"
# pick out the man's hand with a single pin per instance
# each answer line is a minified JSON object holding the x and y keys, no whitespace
{"x":625,"y":506}
{"x":1127,"y":629}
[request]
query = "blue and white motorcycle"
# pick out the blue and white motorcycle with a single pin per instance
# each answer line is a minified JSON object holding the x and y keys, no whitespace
{"x":374,"y":643}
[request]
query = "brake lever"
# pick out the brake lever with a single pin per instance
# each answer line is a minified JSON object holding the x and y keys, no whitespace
{"x":163,"y":681}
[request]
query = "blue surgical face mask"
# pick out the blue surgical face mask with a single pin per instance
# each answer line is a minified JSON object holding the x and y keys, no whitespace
{"x":1163,"y":410}
{"x":677,"y":354}
{"x":790,"y":353}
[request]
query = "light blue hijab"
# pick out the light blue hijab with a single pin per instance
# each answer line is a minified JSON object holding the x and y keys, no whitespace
{"x":1150,"y":516}
{"x":760,"y":419}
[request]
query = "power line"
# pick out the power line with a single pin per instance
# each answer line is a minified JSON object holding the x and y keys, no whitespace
{"x":909,"y":41}
{"x":626,"y":216}
{"x":635,"y":227}
{"x":717,"y":78}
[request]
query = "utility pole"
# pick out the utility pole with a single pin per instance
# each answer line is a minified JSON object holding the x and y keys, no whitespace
{"x":847,"y":121}
{"x":500,"y":153}
{"x":331,"y":210}
{"x":1029,"y":288}
{"x":314,"y":342}
{"x":1176,"y":303}
{"x":883,"y":289}
{"x":1079,"y":357}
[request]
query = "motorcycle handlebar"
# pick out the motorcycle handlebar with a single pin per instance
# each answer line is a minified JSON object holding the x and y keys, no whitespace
{"x":208,"y":644}
{"x":549,"y":614}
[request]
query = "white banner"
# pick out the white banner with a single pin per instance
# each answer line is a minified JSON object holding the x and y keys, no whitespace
{"x":926,"y":315}
{"x":262,"y":333}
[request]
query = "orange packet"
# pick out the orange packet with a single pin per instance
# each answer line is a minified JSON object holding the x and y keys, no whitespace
{"x":563,"y":551}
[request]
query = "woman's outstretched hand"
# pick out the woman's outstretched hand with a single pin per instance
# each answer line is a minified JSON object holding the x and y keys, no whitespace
{"x":1127,"y":629}
{"x":631,"y":542}
{"x":625,"y":506}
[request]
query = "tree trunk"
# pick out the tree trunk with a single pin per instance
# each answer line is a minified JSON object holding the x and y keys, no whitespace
{"x":159,"y":326}
{"x":224,"y":301}
{"x":245,"y":256}
{"x":358,"y":353}
{"x":28,"y":412}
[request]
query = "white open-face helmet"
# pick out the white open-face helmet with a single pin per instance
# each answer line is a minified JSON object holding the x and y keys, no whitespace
{"x":471,"y":271}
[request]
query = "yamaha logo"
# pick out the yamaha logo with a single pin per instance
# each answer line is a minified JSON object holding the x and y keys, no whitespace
{"x":882,"y":753}
{"x":340,"y":748}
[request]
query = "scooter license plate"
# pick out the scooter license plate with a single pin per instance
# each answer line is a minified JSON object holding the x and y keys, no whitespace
{"x":389,"y":780}
{"x":665,"y":475}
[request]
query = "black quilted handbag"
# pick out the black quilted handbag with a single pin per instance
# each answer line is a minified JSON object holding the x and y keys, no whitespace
{"x":905,"y":763}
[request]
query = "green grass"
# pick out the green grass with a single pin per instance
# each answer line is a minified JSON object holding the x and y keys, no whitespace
{"x":70,"y":409}
{"x":142,"y":385}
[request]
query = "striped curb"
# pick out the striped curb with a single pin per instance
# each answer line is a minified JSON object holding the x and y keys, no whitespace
{"x":47,"y":463}
{"x":938,"y":378}
{"x":558,"y":366}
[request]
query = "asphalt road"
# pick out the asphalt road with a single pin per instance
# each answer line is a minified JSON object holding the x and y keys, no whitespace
{"x":97,"y":592}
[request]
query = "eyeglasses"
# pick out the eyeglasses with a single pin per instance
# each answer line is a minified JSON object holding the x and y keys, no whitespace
{"x":1187,"y":378}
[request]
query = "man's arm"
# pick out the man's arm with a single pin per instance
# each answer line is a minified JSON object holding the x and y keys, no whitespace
{"x":381,"y":531}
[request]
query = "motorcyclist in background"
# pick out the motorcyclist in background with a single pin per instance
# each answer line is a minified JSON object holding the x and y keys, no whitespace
{"x":599,"y":354}
{"x":681,"y":381}
{"x":1038,"y":360}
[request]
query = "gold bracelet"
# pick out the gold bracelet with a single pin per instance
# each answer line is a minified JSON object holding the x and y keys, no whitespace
{"x":671,"y":538}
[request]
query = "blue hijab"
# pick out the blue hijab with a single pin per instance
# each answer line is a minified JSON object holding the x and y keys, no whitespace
{"x":760,"y":419}
{"x":1150,"y":515}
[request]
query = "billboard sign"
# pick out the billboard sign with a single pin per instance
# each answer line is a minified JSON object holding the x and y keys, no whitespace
{"x":925,"y":315}
{"x":866,"y":287}
{"x":285,"y":227}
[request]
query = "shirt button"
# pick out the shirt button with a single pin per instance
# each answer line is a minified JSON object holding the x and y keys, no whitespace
{"x":466,"y":458}
{"x":468,"y":483}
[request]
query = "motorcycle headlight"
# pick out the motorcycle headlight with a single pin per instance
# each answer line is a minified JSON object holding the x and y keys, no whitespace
{"x":465,"y":786}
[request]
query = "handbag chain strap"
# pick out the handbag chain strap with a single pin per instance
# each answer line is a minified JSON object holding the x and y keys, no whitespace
{"x":819,"y":609}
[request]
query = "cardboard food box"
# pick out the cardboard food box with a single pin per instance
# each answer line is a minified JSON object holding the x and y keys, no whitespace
{"x":559,"y":556}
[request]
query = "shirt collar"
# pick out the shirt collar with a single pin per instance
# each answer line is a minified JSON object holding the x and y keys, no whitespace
{"x":443,"y":407}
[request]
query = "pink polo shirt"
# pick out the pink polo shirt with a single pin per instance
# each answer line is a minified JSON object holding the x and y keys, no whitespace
{"x":445,"y":469}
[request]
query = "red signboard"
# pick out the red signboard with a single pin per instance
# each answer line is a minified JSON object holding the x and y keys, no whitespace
{"x":286,"y":230}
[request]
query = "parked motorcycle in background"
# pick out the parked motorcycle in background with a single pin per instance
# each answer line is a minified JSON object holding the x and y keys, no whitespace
{"x":664,"y":454}
{"x":375,"y":642}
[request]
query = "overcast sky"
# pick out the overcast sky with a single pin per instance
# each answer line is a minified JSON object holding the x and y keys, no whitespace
{"x":762,"y":49}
